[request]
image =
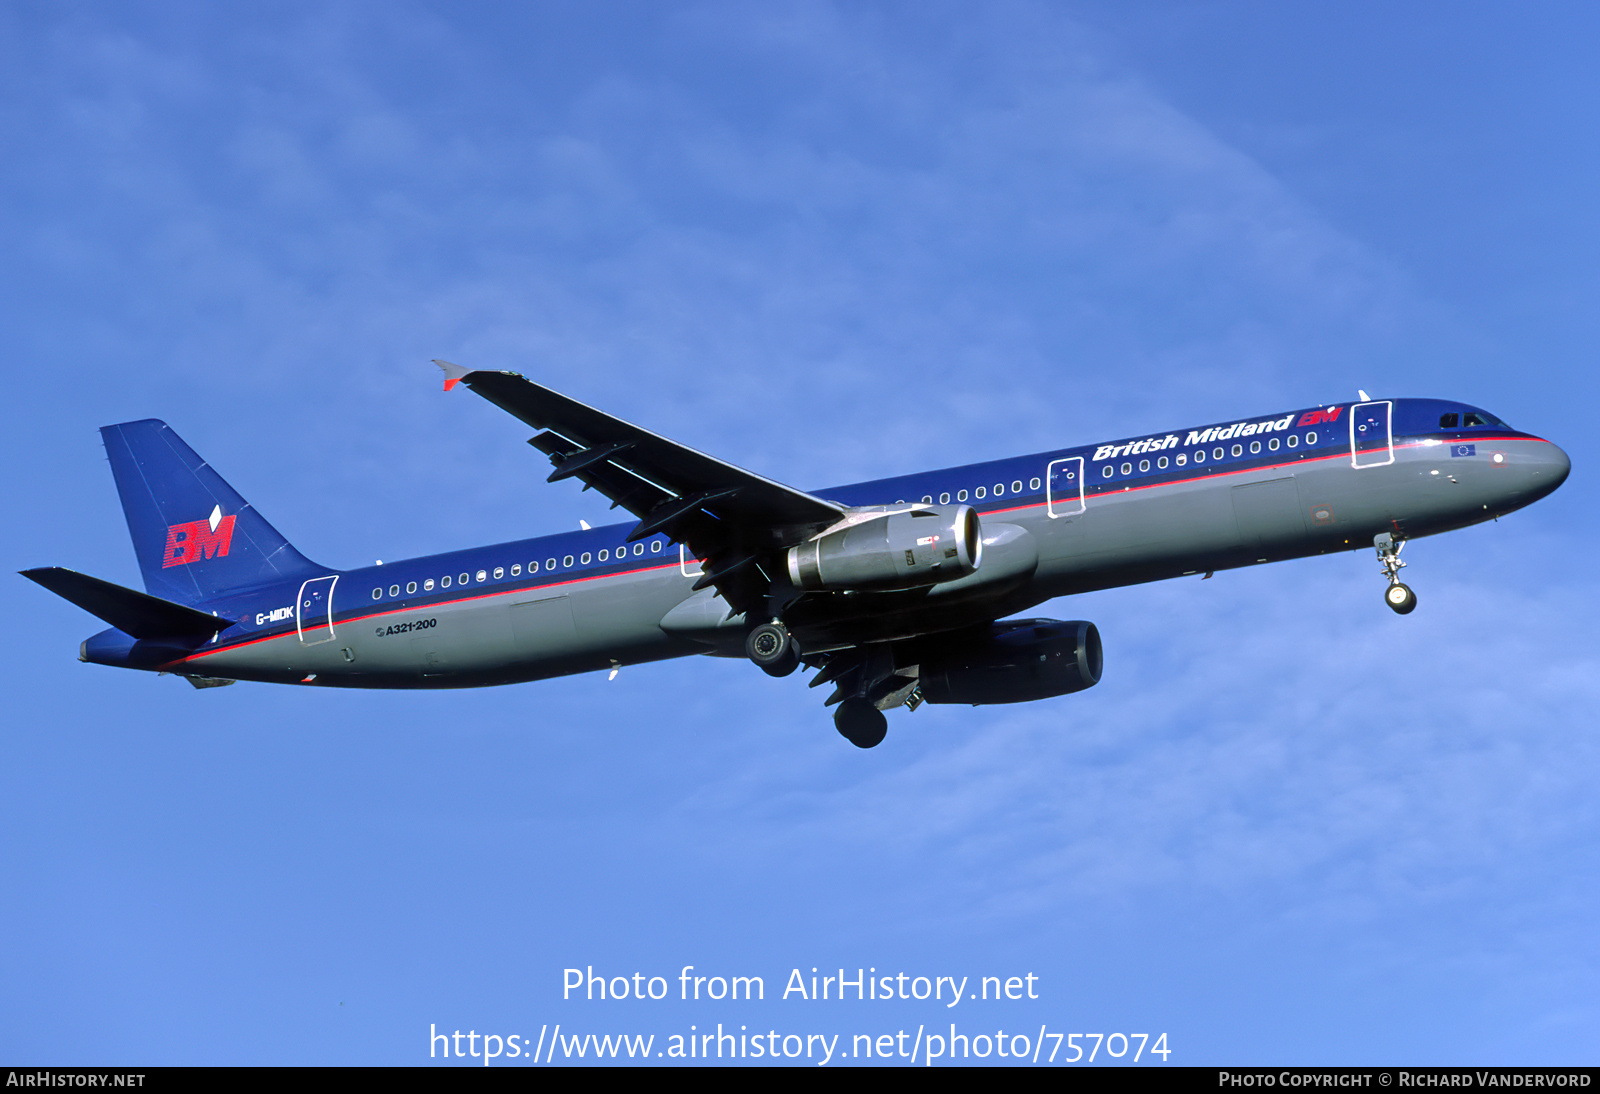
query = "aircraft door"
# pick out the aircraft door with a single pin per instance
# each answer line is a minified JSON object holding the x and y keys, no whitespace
{"x":1064,"y":497}
{"x":313,"y":610}
{"x":1371,"y":438}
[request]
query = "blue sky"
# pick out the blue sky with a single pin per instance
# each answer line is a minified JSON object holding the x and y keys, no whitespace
{"x":828,"y":243}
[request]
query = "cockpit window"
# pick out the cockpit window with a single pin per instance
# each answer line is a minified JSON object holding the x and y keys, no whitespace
{"x":1470,"y":419}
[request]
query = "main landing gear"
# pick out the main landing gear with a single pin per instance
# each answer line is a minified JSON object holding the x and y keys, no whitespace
{"x":771,"y":647}
{"x":860,"y":722}
{"x":865,"y":682}
{"x":1399,"y":597}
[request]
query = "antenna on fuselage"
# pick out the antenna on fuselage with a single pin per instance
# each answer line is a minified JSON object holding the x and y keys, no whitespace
{"x":1365,"y":398}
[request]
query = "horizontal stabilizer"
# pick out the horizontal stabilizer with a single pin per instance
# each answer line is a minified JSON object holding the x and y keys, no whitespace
{"x":131,"y":612}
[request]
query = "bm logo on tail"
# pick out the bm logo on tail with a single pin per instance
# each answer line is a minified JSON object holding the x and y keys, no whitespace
{"x":195,"y":539}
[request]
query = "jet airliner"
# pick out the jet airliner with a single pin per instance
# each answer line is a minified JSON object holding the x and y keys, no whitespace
{"x":897,"y":591}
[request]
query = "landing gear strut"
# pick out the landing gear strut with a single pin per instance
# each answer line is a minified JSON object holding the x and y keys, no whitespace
{"x":1399,"y":597}
{"x":770,"y":646}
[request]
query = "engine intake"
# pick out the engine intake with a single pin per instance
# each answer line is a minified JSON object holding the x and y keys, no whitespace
{"x":891,"y":549}
{"x":1017,"y":661}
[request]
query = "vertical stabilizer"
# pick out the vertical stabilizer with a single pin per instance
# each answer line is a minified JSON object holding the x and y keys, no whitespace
{"x":195,"y":537}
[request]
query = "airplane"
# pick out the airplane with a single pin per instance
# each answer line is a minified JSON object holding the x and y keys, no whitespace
{"x":897,"y":591}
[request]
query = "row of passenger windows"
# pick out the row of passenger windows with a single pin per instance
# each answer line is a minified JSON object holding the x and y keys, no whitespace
{"x":980,"y":493}
{"x":1218,"y":453}
{"x":1180,"y":460}
{"x":550,"y":565}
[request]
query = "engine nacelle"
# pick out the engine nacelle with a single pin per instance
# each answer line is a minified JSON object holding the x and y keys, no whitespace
{"x":1016,"y":662}
{"x":891,"y":549}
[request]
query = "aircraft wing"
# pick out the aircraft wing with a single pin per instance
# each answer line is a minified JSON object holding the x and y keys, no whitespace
{"x":733,"y":519}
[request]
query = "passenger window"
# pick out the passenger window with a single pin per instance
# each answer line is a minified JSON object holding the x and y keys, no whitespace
{"x":1255,"y":446}
{"x":638,"y":548}
{"x":604,"y":554}
{"x":586,"y":558}
{"x":999,"y":489}
{"x":1449,"y":421}
{"x":517,"y":569}
{"x":1216,"y":453}
{"x":1033,"y":484}
{"x":1311,"y":438}
{"x":394,"y":590}
{"x":980,"y":493}
{"x":444,"y":582}
{"x":1293,"y":441}
{"x":411,"y":588}
{"x":483,"y":575}
{"x":464,"y":579}
{"x":1200,"y":456}
{"x":944,"y":499}
{"x":1106,"y":471}
{"x":1127,"y":469}
{"x":961,"y":495}
{"x":377,"y":594}
{"x":549,"y":564}
{"x":1273,"y":444}
{"x":1162,"y":463}
{"x":427,"y":586}
{"x":567,"y":562}
{"x":499,"y":572}
{"x":655,"y":546}
{"x":927,"y":499}
{"x":1238,"y":450}
{"x":1016,"y":487}
{"x":533,"y":567}
{"x":1144,"y":465}
{"x":1180,"y":459}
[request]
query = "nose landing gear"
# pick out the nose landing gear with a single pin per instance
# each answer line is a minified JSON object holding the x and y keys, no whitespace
{"x":1399,"y":597}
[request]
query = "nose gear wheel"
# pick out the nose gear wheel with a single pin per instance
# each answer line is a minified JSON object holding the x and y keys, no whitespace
{"x":1398,"y":596}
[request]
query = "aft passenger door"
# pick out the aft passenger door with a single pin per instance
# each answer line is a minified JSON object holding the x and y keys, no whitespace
{"x":313,"y":610}
{"x":1371,"y":437}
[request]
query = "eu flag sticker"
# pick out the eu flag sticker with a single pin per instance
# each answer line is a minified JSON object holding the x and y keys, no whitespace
{"x":1463,"y":450}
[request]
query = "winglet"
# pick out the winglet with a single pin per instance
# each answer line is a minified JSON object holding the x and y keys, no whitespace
{"x":453,"y":374}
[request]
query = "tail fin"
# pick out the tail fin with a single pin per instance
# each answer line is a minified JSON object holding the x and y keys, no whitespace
{"x":195,"y":537}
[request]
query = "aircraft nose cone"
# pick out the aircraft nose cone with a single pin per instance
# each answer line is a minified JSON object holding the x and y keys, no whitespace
{"x":1545,"y":470}
{"x":1557,"y":466}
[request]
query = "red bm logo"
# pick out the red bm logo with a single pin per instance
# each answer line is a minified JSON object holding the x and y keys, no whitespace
{"x":189,"y":542}
{"x":1317,"y":417}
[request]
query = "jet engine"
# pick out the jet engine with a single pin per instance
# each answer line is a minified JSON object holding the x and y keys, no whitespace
{"x":891,"y":549}
{"x":1016,"y":661}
